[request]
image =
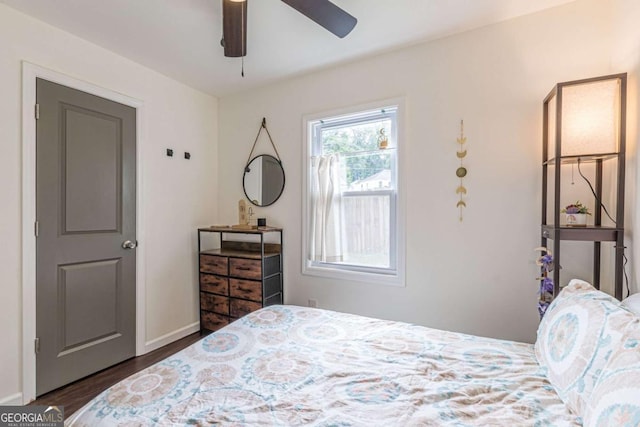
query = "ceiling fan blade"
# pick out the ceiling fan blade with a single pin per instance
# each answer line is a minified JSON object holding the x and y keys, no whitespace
{"x":325,"y":14}
{"x":234,"y":28}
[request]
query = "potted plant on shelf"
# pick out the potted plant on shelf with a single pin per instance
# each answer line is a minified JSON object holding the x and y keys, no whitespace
{"x":576,"y":214}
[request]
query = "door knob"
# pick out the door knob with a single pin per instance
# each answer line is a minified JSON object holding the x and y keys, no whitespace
{"x":128,"y":244}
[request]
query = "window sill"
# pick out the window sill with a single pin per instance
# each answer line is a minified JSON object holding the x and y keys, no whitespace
{"x":357,"y":276}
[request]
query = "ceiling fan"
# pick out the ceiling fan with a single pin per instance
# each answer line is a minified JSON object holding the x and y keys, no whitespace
{"x":322,"y":12}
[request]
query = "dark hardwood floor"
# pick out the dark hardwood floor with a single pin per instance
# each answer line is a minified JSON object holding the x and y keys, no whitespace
{"x":73,"y":396}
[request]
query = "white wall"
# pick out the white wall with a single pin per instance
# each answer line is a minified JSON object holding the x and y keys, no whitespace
{"x":179,"y":195}
{"x":477,"y":276}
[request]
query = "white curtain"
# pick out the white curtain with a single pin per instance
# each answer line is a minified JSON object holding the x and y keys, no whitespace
{"x":326,"y":209}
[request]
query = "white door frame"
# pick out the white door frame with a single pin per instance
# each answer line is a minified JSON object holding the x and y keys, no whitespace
{"x":29,"y":74}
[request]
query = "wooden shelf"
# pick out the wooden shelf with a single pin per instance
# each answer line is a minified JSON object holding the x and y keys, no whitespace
{"x":583,"y":158}
{"x":229,"y":229}
{"x":584,"y":234}
{"x":239,"y":253}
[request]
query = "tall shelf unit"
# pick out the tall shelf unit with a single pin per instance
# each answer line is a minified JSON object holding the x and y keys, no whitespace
{"x":555,"y":157}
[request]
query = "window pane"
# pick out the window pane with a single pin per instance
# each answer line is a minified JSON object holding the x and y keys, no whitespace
{"x":354,"y":138}
{"x":364,"y":166}
{"x":366,"y":172}
{"x":366,"y":230}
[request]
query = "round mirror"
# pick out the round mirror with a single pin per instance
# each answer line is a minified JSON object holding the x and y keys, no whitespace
{"x":263,"y":180}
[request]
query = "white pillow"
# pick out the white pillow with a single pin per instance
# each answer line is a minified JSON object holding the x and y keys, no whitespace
{"x":615,"y":400}
{"x":632,"y":303}
{"x":576,"y":337}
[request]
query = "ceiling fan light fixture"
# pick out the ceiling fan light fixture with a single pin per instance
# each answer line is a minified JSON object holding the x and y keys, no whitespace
{"x":234,"y":28}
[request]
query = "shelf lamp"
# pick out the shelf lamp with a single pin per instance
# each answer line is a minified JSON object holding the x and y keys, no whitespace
{"x":585,"y":121}
{"x":584,"y":118}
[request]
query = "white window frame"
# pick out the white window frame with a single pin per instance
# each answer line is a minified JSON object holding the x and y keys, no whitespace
{"x":384,"y":276}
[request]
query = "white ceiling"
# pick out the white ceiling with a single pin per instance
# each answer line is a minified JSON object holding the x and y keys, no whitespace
{"x":181,"y":38}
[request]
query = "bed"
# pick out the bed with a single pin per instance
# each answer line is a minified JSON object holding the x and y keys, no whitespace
{"x":289,"y":365}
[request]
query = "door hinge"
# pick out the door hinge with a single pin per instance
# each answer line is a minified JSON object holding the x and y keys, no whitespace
{"x":36,"y":228}
{"x":37,"y":111}
{"x":36,"y":345}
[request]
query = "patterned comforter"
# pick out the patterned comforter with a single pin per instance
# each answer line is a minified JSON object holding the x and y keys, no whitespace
{"x":288,"y":365}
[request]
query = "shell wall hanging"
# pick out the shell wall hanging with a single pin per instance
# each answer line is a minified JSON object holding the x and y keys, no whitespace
{"x":461,"y":172}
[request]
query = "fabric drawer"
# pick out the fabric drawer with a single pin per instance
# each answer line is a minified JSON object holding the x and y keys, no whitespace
{"x":215,"y":284}
{"x":214,"y":264}
{"x":271,"y":265}
{"x":245,"y":268}
{"x":239,"y":307}
{"x":273,"y":299}
{"x":247,"y":289}
{"x":212,"y":321}
{"x":215,"y":303}
{"x":272,"y":285}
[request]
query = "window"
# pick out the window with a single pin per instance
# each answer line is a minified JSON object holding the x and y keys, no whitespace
{"x":352,"y":227}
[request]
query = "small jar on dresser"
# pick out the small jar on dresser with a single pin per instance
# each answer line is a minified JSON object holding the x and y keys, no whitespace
{"x":237,"y":276}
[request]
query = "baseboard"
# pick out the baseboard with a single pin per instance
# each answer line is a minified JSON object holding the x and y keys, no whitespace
{"x":13,"y":400}
{"x":16,"y":399}
{"x":171,"y":337}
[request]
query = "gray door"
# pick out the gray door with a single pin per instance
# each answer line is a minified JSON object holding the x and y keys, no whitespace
{"x":86,"y":209}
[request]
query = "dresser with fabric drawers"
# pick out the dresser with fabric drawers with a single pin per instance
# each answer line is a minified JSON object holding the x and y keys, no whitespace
{"x":240,"y":275}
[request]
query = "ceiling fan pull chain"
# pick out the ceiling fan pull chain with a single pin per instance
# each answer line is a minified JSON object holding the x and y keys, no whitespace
{"x":242,"y":46}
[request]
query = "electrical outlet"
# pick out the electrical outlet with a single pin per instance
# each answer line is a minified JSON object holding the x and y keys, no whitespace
{"x":312,"y":303}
